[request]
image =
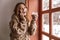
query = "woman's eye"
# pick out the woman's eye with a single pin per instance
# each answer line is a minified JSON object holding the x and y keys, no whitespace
{"x":23,"y":12}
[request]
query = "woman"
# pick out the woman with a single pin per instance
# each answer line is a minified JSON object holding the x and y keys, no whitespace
{"x":20,"y":26}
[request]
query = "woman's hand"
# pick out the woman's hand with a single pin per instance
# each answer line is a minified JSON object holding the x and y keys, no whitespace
{"x":34,"y":16}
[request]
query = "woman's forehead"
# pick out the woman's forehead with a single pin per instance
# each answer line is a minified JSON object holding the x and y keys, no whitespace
{"x":22,"y":5}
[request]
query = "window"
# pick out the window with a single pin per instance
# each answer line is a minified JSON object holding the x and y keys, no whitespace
{"x":45,"y":5}
{"x":55,"y":3}
{"x":50,"y":19}
{"x":45,"y":22}
{"x":56,"y":24}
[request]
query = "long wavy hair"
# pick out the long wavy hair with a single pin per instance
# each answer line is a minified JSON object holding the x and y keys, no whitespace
{"x":17,"y":7}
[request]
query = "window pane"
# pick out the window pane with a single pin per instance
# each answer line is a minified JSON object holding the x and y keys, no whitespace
{"x":55,"y":3}
{"x":45,"y":22}
{"x":56,"y":24}
{"x":45,"y":5}
{"x":44,"y":37}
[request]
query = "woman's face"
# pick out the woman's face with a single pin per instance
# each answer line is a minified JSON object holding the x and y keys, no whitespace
{"x":22,"y":9}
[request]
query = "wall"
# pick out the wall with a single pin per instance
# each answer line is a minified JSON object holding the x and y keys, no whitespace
{"x":6,"y":10}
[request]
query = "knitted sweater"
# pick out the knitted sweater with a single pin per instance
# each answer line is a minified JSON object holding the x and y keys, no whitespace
{"x":21,"y":29}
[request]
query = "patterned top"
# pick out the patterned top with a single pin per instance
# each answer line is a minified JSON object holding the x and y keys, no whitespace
{"x":21,"y":29}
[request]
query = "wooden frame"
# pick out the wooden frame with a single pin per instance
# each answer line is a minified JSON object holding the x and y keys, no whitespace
{"x":50,"y":20}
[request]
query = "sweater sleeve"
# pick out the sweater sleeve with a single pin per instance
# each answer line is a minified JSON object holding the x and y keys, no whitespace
{"x":32,"y":28}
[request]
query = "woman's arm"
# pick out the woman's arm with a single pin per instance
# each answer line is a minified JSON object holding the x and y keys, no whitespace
{"x":32,"y":28}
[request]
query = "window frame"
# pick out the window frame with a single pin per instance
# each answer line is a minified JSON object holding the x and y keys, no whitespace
{"x":50,"y":19}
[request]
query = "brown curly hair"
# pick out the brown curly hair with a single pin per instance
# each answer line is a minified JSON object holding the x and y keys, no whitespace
{"x":16,"y":7}
{"x":16,"y":10}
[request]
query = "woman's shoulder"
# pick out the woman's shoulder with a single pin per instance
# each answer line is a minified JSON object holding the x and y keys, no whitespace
{"x":14,"y":16}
